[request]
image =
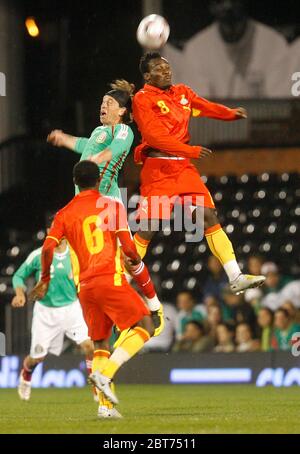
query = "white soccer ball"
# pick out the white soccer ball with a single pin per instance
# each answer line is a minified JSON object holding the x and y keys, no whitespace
{"x":153,"y":32}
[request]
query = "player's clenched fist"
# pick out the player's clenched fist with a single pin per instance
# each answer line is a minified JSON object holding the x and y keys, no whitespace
{"x":57,"y":138}
{"x":18,"y":301}
{"x":39,"y":291}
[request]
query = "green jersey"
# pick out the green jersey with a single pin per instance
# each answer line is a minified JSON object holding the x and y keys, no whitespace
{"x":119,"y":140}
{"x":62,"y":290}
{"x":283,"y":339}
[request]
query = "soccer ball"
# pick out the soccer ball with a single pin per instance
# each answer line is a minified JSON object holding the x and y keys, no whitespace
{"x":153,"y":32}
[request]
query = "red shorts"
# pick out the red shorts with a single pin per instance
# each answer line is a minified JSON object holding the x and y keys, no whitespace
{"x":105,"y":305}
{"x":177,"y":180}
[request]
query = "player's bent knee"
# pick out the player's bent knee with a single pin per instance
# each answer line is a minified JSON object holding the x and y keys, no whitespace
{"x":210,"y":217}
{"x":87,"y":347}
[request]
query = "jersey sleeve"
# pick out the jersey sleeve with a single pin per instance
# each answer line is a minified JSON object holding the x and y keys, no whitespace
{"x":201,"y":107}
{"x":122,"y":141}
{"x":30,"y":266}
{"x":57,"y":232}
{"x":154,"y":131}
{"x":80,"y":144}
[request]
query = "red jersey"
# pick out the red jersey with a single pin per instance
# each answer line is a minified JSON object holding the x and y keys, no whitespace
{"x":163,"y":118}
{"x":90,"y":223}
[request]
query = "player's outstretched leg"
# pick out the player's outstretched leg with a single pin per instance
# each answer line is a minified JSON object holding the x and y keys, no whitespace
{"x":221,"y":247}
{"x":131,"y":344}
{"x":24,"y":386}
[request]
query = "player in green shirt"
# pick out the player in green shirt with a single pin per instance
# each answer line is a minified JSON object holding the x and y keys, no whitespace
{"x":57,"y":314}
{"x":108,"y":144}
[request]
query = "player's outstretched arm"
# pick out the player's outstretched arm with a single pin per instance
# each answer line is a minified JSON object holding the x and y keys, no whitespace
{"x":58,"y":138}
{"x":204,"y":108}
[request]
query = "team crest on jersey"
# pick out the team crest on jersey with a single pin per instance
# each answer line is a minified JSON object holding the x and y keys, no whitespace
{"x":183,"y":100}
{"x":102,"y":137}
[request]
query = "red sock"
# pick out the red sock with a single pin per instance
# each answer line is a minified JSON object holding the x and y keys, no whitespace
{"x":26,"y":371}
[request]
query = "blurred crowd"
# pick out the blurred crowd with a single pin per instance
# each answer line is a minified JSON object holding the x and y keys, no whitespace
{"x":264,"y":319}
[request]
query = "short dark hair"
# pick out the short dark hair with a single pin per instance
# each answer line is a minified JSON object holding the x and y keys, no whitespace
{"x":229,"y":326}
{"x":145,"y":60}
{"x":284,"y":311}
{"x":197,"y":325}
{"x":86,"y":174}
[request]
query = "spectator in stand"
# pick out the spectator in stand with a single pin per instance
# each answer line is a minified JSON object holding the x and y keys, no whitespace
{"x":284,"y":329}
{"x":293,"y":313}
{"x":164,"y":342}
{"x":233,"y":57}
{"x":216,"y":281}
{"x":194,"y":339}
{"x":244,"y":339}
{"x":291,"y":292}
{"x":254,"y":264}
{"x":186,"y":305}
{"x":224,"y":337}
{"x":241,"y":312}
{"x":207,"y":303}
{"x":214,"y":318}
{"x":273,"y":285}
{"x":265,"y":320}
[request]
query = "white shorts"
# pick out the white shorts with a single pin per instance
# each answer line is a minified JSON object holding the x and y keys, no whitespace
{"x":50,"y":324}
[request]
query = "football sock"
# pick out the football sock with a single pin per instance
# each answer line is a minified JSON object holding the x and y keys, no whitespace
{"x":100,"y":360}
{"x":132,"y":343}
{"x":27,"y":370}
{"x":141,"y":245}
{"x":221,"y":247}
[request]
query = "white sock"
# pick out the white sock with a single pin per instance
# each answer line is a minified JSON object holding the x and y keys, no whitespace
{"x":153,"y":303}
{"x":232,"y":270}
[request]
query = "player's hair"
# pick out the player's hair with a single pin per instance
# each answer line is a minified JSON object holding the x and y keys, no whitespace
{"x":86,"y":174}
{"x":145,"y":60}
{"x":123,"y":91}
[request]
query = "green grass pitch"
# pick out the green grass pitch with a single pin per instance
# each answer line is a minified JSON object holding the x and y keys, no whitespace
{"x":171,"y":409}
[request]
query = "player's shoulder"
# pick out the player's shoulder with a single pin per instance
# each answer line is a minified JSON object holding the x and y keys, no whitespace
{"x":181,"y":89}
{"x":123,"y":131}
{"x":143,"y":95}
{"x":34,"y":255}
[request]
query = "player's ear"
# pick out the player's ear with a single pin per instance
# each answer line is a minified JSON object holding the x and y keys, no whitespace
{"x":147,"y":77}
{"x":122,"y":111}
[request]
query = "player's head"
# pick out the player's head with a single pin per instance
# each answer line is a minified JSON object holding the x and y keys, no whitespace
{"x":232,"y":18}
{"x":116,"y":103}
{"x":86,"y":175}
{"x":156,"y":70}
